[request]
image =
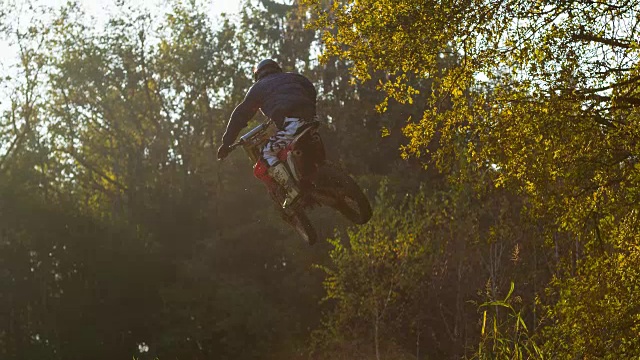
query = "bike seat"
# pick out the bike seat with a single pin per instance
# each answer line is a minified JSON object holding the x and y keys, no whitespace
{"x":310,"y":124}
{"x":305,"y":130}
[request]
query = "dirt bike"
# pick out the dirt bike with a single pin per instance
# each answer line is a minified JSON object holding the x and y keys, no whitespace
{"x":319,"y":181}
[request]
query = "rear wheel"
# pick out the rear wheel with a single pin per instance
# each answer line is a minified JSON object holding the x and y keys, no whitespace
{"x":346,"y":194}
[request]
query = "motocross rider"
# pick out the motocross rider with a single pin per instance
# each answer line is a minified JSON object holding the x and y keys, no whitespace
{"x":289,"y":100}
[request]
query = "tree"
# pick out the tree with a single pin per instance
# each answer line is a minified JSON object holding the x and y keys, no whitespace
{"x":162,"y":245}
{"x":374,"y":280}
{"x":542,"y":96}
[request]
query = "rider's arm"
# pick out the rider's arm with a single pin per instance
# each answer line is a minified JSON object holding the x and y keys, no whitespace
{"x":310,"y":91}
{"x":313,"y":94}
{"x":241,"y":116}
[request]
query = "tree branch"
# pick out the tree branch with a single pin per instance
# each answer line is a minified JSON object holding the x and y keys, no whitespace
{"x":602,"y":40}
{"x":634,"y":101}
{"x":611,"y":86}
{"x":86,"y":164}
{"x":21,"y":135}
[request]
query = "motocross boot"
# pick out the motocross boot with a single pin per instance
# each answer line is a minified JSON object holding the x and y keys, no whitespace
{"x":281,"y":175}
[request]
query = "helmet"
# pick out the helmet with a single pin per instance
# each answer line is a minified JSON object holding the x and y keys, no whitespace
{"x":264,"y":68}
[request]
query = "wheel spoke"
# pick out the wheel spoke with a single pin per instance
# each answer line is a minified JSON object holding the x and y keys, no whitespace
{"x":301,"y":224}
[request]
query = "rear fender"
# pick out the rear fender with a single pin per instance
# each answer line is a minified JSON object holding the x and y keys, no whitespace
{"x":305,"y":152}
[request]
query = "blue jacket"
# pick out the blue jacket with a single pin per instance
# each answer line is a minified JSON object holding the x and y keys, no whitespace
{"x":278,"y":96}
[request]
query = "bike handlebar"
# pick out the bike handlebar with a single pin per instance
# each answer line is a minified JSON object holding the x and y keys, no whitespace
{"x":244,"y":138}
{"x":235,"y":145}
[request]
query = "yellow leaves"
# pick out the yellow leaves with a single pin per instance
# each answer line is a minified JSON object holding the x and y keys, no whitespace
{"x":530,"y":186}
{"x":500,"y":180}
{"x":484,"y":322}
{"x":382,"y":107}
{"x":604,"y":294}
{"x":164,"y":46}
{"x":385,"y":132}
{"x":398,"y":89}
{"x":456,"y":92}
{"x":151,"y":85}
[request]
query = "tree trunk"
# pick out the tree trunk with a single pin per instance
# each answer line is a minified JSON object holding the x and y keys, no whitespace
{"x":376,"y":327}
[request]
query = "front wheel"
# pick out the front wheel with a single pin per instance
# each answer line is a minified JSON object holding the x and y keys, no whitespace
{"x":301,"y":223}
{"x":345,"y":194}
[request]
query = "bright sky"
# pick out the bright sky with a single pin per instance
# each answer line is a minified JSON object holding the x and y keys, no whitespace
{"x":100,"y":10}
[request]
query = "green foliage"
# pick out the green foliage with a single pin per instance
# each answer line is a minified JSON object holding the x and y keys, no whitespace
{"x":110,"y":133}
{"x":597,"y":310}
{"x":117,"y":227}
{"x":508,"y":338}
{"x":543,"y":97}
{"x":374,"y":278}
{"x":543,"y":118}
{"x":403,"y":284}
{"x":62,"y":297}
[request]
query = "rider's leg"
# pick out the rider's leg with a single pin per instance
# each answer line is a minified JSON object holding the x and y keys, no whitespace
{"x":277,"y":169}
{"x":280,"y":140}
{"x":276,"y":189}
{"x":280,"y":174}
{"x":261,"y":172}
